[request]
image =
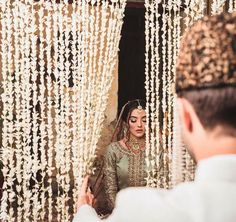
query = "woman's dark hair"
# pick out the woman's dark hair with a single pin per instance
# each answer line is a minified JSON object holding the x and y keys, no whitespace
{"x":129,"y":107}
{"x":124,"y":117}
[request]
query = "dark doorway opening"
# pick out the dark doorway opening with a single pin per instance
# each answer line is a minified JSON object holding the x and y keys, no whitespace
{"x":131,"y":76}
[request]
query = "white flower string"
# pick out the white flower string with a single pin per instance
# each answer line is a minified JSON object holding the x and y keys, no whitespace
{"x":5,"y":149}
{"x":175,"y":154}
{"x":187,"y":17}
{"x":147,"y":38}
{"x":80,"y":98}
{"x":49,"y":112}
{"x":95,"y":18}
{"x":56,"y":107}
{"x":231,"y":5}
{"x":82,"y":95}
{"x":152,"y":107}
{"x":35,"y":101}
{"x":173,"y":164}
{"x":67,"y":126}
{"x":170,"y":49}
{"x":61,"y":136}
{"x":193,"y":10}
{"x":167,"y":40}
{"x":27,"y":112}
{"x":76,"y":69}
{"x":164,"y":91}
{"x":156,"y":117}
{"x":41,"y":103}
{"x":149,"y":85}
{"x":217,"y":6}
{"x":9,"y":122}
{"x":58,"y":102}
{"x":18,"y":111}
{"x":89,"y":19}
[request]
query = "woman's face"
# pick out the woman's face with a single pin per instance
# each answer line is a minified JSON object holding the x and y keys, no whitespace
{"x":137,"y":123}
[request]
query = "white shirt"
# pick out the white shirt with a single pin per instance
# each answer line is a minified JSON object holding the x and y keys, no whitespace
{"x":210,"y":198}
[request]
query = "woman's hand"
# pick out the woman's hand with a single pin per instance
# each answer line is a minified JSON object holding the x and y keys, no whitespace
{"x":85,"y":196}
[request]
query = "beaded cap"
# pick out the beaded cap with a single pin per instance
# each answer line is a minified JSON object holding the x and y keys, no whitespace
{"x":207,"y":56}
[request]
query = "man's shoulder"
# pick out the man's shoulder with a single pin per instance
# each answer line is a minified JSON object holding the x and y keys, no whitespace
{"x":136,"y":193}
{"x":150,"y":203}
{"x":176,"y":199}
{"x":141,"y":192}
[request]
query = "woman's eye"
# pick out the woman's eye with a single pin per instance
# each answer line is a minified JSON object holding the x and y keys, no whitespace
{"x":144,"y":120}
{"x":132,"y":120}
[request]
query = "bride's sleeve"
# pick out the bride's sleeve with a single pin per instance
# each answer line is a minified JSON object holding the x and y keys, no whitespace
{"x":110,"y":175}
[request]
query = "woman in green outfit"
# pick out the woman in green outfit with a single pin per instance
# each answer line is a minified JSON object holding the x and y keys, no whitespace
{"x":124,"y":159}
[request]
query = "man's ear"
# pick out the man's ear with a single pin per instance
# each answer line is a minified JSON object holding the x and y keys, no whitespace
{"x":185,"y":112}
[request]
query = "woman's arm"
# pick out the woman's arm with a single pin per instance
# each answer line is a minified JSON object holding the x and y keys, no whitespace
{"x":110,"y":178}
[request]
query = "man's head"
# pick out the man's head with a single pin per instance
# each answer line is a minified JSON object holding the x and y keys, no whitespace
{"x":206,"y":85}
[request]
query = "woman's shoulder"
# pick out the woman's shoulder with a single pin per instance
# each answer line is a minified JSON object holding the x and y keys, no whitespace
{"x":118,"y":148}
{"x":114,"y":146}
{"x":112,"y":150}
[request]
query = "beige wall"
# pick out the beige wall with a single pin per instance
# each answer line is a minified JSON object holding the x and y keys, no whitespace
{"x":110,"y":114}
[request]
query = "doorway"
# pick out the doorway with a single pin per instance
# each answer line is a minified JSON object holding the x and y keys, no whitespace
{"x":131,"y":68}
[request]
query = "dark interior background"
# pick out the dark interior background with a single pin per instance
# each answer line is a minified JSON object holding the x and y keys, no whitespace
{"x":131,"y":66}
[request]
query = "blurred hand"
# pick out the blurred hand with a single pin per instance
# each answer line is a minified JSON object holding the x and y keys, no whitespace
{"x":85,"y":196}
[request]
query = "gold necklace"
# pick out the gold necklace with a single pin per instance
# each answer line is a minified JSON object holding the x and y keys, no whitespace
{"x":135,"y":146}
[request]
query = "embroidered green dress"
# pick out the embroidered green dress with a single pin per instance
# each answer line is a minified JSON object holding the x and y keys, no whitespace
{"x":122,"y":168}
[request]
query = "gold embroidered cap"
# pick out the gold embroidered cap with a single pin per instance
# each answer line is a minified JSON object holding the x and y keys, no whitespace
{"x":207,"y":56}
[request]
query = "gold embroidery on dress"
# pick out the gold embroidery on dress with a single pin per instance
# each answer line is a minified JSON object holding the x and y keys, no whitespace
{"x":136,"y":170}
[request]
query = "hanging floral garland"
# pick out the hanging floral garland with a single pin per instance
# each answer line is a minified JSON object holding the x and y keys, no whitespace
{"x":57,"y":63}
{"x":232,"y":5}
{"x":159,"y":87}
{"x":167,"y":159}
{"x":218,"y":6}
{"x":193,"y":10}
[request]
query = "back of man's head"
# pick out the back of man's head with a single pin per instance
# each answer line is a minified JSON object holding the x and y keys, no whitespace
{"x":206,"y":70}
